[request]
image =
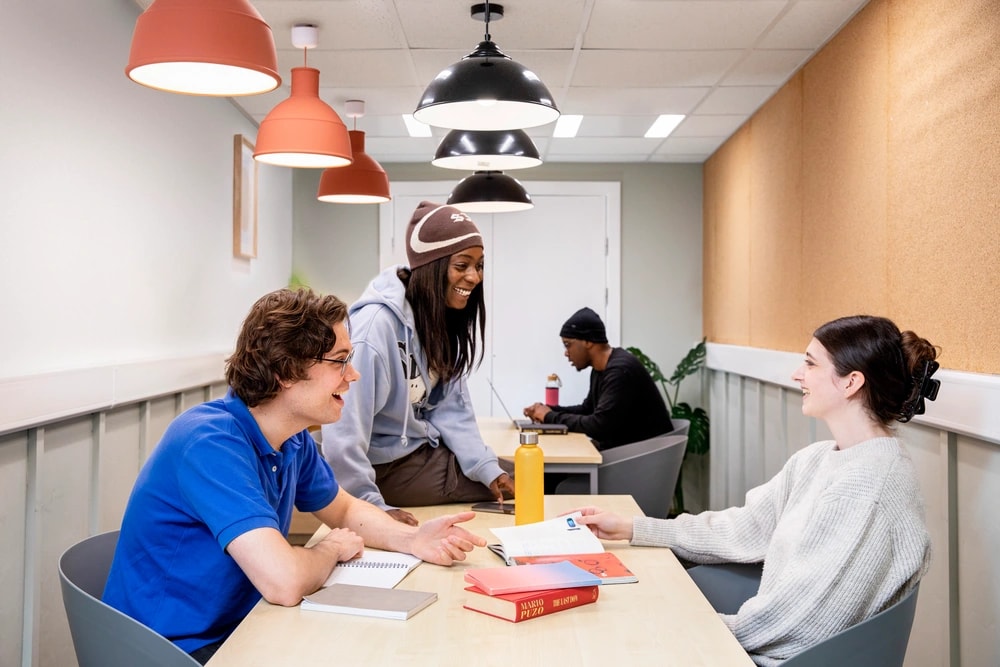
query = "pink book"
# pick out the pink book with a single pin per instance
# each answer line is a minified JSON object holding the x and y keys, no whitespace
{"x":501,"y":580}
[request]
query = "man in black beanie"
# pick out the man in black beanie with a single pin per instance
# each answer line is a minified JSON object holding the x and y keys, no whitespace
{"x":623,"y":404}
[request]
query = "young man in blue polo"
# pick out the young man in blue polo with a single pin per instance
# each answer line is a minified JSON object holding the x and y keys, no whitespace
{"x":203,"y":537}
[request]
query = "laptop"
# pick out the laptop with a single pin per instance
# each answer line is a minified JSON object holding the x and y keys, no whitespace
{"x":526,"y":424}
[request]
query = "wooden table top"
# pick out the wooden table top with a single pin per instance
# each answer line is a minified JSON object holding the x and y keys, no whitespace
{"x":663,"y":619}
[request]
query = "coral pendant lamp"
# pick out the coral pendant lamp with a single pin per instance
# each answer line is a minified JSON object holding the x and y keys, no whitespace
{"x":303,"y":131}
{"x":364,"y":181}
{"x":203,"y":47}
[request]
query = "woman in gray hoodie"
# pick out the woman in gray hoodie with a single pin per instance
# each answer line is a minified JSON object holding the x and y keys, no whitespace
{"x":408,"y":434}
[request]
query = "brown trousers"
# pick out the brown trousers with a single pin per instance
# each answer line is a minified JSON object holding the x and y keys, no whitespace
{"x":430,"y":476}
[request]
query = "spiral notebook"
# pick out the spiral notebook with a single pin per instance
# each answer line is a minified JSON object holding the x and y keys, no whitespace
{"x":378,"y":569}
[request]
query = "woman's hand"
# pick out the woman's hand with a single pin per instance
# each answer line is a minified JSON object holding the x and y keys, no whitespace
{"x":605,"y":525}
{"x":502,"y":487}
{"x":403,"y":516}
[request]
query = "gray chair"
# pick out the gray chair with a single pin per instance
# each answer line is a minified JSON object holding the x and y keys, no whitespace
{"x":681,"y":426}
{"x":879,"y":641}
{"x":102,"y":635}
{"x":647,"y":470}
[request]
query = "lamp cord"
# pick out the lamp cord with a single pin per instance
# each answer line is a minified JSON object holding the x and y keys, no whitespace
{"x":488,"y":38}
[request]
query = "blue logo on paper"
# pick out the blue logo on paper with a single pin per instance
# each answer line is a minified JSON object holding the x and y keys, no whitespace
{"x":571,"y":524}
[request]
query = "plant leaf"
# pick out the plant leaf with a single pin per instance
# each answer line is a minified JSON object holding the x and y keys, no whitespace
{"x":692,"y":362}
{"x":651,"y":366}
{"x":699,"y":430}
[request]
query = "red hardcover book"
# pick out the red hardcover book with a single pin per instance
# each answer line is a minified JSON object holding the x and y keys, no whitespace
{"x":517,"y":607}
{"x":605,"y":565}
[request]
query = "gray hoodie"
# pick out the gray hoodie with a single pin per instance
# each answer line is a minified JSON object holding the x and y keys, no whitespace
{"x":380,"y":423}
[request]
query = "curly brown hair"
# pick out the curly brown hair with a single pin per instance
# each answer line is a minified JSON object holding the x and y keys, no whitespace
{"x":281,"y":338}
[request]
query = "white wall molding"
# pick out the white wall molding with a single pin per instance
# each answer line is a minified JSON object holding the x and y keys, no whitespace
{"x":968,"y":403}
{"x":39,"y":399}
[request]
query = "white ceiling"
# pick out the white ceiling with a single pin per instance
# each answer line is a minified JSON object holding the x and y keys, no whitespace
{"x":620,"y":63}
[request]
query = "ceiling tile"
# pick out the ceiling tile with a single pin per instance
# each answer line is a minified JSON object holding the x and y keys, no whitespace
{"x":695,"y":24}
{"x":738,"y":99}
{"x":630,"y":101}
{"x":709,"y":126}
{"x":766,"y":68}
{"x":810,"y":23}
{"x":648,"y":69}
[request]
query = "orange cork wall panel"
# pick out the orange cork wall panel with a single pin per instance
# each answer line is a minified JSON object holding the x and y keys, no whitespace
{"x":726,"y":256}
{"x":944,"y":177}
{"x":844,"y":232}
{"x":775,"y":238}
{"x":898,"y":178}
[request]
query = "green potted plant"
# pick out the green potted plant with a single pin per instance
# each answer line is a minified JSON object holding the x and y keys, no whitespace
{"x":697,"y":443}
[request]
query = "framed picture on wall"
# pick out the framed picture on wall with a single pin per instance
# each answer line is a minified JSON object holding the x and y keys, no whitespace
{"x":244,"y":198}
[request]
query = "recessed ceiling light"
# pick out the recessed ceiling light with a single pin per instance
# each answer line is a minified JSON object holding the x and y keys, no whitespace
{"x":663,"y":126}
{"x":415,"y":127}
{"x":567,"y":125}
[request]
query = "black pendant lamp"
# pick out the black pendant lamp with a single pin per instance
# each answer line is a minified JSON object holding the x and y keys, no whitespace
{"x":483,"y":150}
{"x":490,"y":192}
{"x":486,"y":90}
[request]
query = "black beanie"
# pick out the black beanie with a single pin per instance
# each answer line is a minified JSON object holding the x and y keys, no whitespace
{"x":585,"y":324}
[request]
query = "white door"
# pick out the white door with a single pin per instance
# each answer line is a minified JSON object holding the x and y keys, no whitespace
{"x":541,"y":266}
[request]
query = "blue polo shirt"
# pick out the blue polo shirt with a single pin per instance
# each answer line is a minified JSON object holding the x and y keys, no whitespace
{"x":212,"y":478}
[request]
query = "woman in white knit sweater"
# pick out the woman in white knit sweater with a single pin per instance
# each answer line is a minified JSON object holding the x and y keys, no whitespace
{"x":840,"y":529}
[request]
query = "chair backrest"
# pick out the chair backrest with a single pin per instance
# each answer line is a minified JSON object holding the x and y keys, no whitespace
{"x":102,"y":635}
{"x":681,"y":426}
{"x":879,"y":641}
{"x":647,"y":470}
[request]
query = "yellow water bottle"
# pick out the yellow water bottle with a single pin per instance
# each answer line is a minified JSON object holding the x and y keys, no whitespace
{"x":529,"y":481}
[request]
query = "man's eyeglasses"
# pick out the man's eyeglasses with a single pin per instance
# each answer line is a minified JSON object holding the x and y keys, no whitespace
{"x":343,"y":362}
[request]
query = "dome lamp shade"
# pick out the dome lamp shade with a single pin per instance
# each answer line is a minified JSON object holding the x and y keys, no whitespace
{"x":364,"y":181}
{"x":486,"y":90}
{"x":490,"y":192}
{"x":486,"y":150}
{"x":203,"y":47}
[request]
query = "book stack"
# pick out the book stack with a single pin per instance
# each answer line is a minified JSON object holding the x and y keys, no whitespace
{"x":521,"y":593}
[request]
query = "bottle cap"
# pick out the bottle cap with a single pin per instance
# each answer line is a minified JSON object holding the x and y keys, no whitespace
{"x":529,"y":438}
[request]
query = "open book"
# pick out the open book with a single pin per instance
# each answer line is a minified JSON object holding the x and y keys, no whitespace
{"x":559,"y":536}
{"x":380,"y":569}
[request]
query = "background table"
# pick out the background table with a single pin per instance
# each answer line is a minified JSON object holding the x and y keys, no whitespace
{"x":663,"y":619}
{"x":570,"y":452}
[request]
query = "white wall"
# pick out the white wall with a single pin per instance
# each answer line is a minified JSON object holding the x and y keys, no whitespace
{"x":116,"y":218}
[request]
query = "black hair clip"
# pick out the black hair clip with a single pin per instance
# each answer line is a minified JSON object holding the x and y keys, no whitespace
{"x":928,"y":387}
{"x":925,"y":387}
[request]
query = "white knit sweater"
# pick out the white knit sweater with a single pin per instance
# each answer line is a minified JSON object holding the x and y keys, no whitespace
{"x":841,"y":535}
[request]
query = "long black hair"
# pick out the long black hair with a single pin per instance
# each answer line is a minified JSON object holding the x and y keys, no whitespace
{"x":459,"y":350}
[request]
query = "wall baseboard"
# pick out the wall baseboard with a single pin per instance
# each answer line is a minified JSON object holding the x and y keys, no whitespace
{"x":968,"y":403}
{"x":39,"y":399}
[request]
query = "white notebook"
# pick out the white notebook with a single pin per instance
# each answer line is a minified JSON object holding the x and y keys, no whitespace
{"x":379,"y":569}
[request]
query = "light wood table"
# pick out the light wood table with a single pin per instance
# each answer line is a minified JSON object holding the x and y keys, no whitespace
{"x":663,"y":619}
{"x":570,"y":452}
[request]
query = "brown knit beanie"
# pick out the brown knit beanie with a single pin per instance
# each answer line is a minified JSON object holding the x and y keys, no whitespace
{"x":437,"y":231}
